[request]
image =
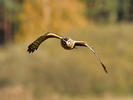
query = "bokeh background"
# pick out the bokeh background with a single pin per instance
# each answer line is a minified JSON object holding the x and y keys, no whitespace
{"x":52,"y":73}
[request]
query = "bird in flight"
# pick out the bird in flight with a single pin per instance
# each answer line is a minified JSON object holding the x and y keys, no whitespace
{"x":66,"y":43}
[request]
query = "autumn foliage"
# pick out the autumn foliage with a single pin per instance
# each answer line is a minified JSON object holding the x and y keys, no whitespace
{"x":50,"y":15}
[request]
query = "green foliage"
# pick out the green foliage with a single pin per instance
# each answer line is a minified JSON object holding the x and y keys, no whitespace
{"x":10,"y":8}
{"x":108,"y":10}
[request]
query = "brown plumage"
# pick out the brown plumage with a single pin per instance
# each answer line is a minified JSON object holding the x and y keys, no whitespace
{"x":66,"y":43}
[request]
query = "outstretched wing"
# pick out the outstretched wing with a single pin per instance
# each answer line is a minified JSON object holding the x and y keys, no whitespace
{"x":82,"y":43}
{"x":34,"y":46}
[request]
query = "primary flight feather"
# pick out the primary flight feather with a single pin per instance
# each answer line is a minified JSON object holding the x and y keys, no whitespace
{"x":66,"y":43}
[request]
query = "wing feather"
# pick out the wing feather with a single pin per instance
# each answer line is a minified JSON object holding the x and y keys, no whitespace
{"x":82,"y":43}
{"x":34,"y":45}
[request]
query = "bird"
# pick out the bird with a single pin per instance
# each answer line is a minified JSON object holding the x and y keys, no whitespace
{"x":66,"y":43}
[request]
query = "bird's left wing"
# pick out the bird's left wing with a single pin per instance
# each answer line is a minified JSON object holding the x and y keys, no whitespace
{"x":34,"y":45}
{"x":82,"y":43}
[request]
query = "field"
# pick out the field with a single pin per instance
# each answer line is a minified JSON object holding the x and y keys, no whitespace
{"x":52,"y":73}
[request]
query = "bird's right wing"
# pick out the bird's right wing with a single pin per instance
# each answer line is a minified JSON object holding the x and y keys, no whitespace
{"x":82,"y":43}
{"x":34,"y":45}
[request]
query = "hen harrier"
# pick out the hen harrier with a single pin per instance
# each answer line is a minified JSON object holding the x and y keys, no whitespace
{"x":66,"y":43}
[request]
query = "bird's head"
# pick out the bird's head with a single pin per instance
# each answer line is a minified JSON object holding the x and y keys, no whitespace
{"x":65,"y":39}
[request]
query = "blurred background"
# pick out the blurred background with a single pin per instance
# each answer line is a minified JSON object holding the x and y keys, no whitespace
{"x":52,"y":73}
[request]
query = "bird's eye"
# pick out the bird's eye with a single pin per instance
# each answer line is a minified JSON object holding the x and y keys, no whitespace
{"x":63,"y":42}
